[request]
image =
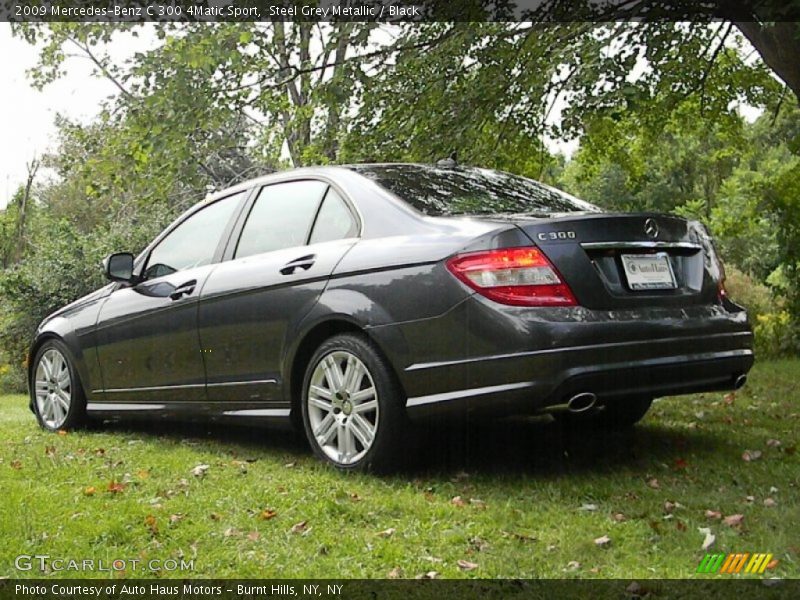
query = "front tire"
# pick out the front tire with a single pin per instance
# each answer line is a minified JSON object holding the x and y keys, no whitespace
{"x":56,"y":392}
{"x":352,"y":406}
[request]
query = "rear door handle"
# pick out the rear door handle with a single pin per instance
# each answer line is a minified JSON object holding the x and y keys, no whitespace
{"x":183,"y":290}
{"x":304,"y":262}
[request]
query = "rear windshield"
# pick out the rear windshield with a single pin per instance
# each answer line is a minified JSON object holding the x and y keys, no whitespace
{"x":442,"y":191}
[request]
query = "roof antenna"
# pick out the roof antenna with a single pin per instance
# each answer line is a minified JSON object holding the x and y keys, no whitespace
{"x":450,"y":161}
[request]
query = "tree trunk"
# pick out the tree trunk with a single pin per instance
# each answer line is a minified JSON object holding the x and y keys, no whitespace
{"x":779,"y":46}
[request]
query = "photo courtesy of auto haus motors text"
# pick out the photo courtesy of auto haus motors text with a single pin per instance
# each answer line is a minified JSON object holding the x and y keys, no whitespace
{"x":334,"y":298}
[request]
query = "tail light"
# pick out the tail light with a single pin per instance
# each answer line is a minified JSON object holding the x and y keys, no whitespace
{"x":721,"y":291}
{"x":515,"y":276}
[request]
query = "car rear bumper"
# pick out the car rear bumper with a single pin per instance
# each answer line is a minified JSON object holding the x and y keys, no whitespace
{"x":541,"y":358}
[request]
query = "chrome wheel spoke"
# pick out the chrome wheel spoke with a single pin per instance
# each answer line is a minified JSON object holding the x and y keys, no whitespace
{"x":333,"y":373}
{"x":320,"y":392}
{"x":362,"y":429}
{"x":346,"y":444}
{"x":320,"y":403}
{"x":363,"y":395}
{"x":324,"y":432}
{"x":365,"y":407}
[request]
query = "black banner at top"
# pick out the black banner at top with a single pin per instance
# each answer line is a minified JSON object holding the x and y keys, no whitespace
{"x":388,"y":11}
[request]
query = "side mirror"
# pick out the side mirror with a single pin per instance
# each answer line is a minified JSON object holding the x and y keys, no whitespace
{"x":119,"y":267}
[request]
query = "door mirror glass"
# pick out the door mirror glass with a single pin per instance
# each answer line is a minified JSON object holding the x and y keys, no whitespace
{"x":119,"y":266}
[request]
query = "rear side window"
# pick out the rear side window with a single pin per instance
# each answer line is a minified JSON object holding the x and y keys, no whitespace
{"x":334,"y":221}
{"x":281,"y":217}
{"x":193,"y":242}
{"x":442,"y":191}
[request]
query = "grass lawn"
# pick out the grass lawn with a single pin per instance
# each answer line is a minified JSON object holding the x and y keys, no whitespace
{"x":521,"y":498}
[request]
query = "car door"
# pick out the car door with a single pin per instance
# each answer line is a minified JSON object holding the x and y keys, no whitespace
{"x":294,"y":235}
{"x":148,"y":348}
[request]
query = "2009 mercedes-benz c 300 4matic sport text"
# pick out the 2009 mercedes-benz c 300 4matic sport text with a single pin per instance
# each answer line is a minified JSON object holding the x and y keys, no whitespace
{"x":350,"y":300}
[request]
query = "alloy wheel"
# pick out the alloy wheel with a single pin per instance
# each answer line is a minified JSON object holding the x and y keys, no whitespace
{"x":53,"y":388}
{"x":343,"y":407}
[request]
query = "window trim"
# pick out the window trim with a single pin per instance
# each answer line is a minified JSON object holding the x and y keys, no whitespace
{"x":217,"y":256}
{"x":236,"y":233}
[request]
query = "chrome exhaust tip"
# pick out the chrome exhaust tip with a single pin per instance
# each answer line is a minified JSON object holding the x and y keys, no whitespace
{"x":582,"y":402}
{"x":740,"y":381}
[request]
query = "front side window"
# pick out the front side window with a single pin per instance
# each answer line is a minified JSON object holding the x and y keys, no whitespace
{"x":193,"y":242}
{"x":281,"y":217}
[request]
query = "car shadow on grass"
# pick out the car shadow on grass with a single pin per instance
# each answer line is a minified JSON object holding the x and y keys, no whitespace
{"x":534,"y":445}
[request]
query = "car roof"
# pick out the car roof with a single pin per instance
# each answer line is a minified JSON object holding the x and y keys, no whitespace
{"x":290,"y":174}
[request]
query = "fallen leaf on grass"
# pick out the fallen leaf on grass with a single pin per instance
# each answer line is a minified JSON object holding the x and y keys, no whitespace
{"x":773,"y":443}
{"x":466,"y":565}
{"x":603,"y":541}
{"x":355,"y":497}
{"x":253,"y":536}
{"x":733,"y":520}
{"x":713,"y":514}
{"x":387,"y":533}
{"x":116,"y":487}
{"x":773,"y":563}
{"x":573,"y":565}
{"x":680,"y":526}
{"x":588,"y":507}
{"x":49,"y":451}
{"x":214,"y":517}
{"x":299,"y":527}
{"x":681,"y":464}
{"x":267,"y":514}
{"x":62,"y":432}
{"x":428,"y":575}
{"x":619,"y":517}
{"x":769,"y":502}
{"x":16,"y":464}
{"x":728,"y":399}
{"x":90,"y":491}
{"x":478,"y":544}
{"x":176,"y":518}
{"x":290,"y":465}
{"x":395,"y":573}
{"x":751,"y":455}
{"x":231,"y":532}
{"x":653,"y":483}
{"x":151,"y":524}
{"x":477,"y":503}
{"x":671,"y":506}
{"x":200,"y":470}
{"x":709,"y":538}
{"x":458,"y":501}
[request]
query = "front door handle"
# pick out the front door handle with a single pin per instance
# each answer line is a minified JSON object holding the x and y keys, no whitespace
{"x":304,"y":262}
{"x":183,"y":290}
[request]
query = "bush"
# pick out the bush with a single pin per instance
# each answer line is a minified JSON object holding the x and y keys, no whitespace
{"x":776,"y":333}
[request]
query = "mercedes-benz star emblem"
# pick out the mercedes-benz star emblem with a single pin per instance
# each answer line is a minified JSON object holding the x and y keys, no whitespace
{"x":651,"y":228}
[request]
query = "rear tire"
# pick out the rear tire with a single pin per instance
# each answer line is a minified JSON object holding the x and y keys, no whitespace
{"x":618,"y":413}
{"x":56,"y":392}
{"x":353,"y":408}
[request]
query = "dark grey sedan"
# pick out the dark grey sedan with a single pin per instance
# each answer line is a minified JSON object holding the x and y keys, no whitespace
{"x":351,"y":300}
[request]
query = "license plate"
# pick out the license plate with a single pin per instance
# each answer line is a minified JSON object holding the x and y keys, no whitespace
{"x":648,"y":271}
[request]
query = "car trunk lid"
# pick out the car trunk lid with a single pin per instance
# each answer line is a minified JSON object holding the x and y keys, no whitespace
{"x":621,"y":261}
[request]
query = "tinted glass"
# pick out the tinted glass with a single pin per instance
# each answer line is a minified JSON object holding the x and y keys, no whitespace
{"x":193,"y":242}
{"x":281,"y":217}
{"x":334,"y":221}
{"x":441,"y":191}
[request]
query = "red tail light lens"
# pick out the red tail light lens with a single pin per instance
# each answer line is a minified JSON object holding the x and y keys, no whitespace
{"x":515,"y":276}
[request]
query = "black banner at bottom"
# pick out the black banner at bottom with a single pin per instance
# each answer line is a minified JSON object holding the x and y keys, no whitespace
{"x":437,"y":589}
